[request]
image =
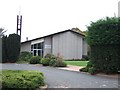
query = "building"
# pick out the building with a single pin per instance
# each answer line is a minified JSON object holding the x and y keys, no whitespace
{"x":68,"y":44}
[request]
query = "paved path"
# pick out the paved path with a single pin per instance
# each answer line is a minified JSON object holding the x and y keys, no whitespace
{"x":56,"y":78}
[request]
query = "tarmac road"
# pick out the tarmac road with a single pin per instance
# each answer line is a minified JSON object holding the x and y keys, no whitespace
{"x":56,"y":78}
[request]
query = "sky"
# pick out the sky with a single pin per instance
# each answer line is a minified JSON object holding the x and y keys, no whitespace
{"x":44,"y":17}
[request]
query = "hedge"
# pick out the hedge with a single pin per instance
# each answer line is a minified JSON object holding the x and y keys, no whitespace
{"x":10,"y":48}
{"x":105,"y":58}
{"x":104,"y":40}
{"x":104,"y":32}
{"x":21,"y":79}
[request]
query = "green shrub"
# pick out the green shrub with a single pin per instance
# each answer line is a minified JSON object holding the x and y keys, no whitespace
{"x":45,"y":61}
{"x":73,"y":60}
{"x":60,"y":64}
{"x":89,"y":64}
{"x":25,"y":56}
{"x":50,"y":56}
{"x":85,"y":69}
{"x":104,"y":40}
{"x":52,"y":62}
{"x":35,"y":60}
{"x":85,"y":58}
{"x":106,"y":58}
{"x":57,"y":62}
{"x":92,"y":71}
{"x":22,"y":79}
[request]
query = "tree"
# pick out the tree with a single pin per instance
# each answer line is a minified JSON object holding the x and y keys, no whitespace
{"x":104,"y":40}
{"x":2,"y":31}
{"x":11,"y":48}
{"x":4,"y":49}
{"x":78,"y":30}
{"x":1,"y":34}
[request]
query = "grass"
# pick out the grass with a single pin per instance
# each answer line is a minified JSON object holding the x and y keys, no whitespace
{"x":76,"y":63}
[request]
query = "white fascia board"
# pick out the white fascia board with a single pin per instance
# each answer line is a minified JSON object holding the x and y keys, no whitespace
{"x":37,"y":41}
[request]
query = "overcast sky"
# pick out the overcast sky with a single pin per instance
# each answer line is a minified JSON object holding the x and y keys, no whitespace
{"x":43,"y":17}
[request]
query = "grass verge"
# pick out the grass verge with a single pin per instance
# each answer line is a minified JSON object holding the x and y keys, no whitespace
{"x":76,"y":63}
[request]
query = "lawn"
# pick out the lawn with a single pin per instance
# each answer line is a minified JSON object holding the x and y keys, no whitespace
{"x":76,"y":63}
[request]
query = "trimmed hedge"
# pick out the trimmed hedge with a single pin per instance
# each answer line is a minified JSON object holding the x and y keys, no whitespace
{"x":104,"y":39}
{"x":106,"y":58}
{"x":18,"y":79}
{"x":104,"y":32}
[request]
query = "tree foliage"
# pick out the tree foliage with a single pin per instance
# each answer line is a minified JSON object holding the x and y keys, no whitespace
{"x":11,"y":48}
{"x":104,"y":31}
{"x":4,"y":49}
{"x":104,"y":39}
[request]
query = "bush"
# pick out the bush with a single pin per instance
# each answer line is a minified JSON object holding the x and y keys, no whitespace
{"x":52,"y":62}
{"x":84,"y":58}
{"x":61,"y":64}
{"x":45,"y":61}
{"x":89,"y":64}
{"x":85,"y":69}
{"x":35,"y":60}
{"x":92,"y":71}
{"x":57,"y":62}
{"x":25,"y":56}
{"x":30,"y":80}
{"x":73,"y":60}
{"x":104,"y":40}
{"x":106,"y":58}
{"x":50,"y":56}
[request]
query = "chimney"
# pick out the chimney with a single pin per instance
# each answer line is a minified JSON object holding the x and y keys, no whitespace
{"x":26,"y":38}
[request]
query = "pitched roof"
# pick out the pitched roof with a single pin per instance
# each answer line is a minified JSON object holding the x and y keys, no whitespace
{"x":55,"y":34}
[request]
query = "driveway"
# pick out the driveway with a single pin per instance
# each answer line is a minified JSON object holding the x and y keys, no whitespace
{"x":56,"y":78}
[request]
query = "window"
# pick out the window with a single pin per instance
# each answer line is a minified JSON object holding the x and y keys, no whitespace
{"x":34,"y":52}
{"x":31,"y":47}
{"x":39,"y":46}
{"x":35,"y":46}
{"x":37,"y":49}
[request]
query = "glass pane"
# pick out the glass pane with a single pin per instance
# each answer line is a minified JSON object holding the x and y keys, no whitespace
{"x":42,"y":44}
{"x":35,"y":46}
{"x":35,"y":52}
{"x":39,"y":53}
{"x":31,"y":47}
{"x":39,"y":46}
{"x":42,"y":53}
